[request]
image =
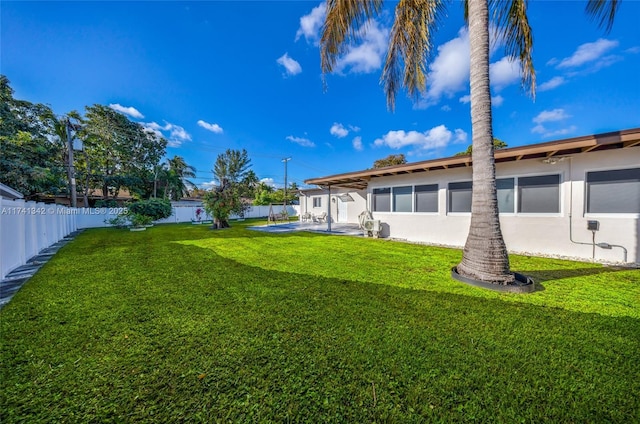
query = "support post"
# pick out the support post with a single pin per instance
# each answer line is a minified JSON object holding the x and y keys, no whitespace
{"x":285,"y":160}
{"x":329,"y":211}
{"x":71,"y":171}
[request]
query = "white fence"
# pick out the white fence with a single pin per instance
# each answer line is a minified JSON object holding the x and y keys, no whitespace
{"x":97,"y":217}
{"x":26,"y":228}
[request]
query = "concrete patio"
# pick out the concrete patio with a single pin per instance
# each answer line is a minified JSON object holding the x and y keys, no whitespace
{"x":288,"y":227}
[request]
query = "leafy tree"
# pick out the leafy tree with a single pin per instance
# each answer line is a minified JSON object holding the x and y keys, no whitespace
{"x":497,"y":145}
{"x":264,"y":194}
{"x":267,"y":194}
{"x":121,"y":153}
{"x":31,"y":158}
{"x":231,"y":168}
{"x":485,"y":255}
{"x":390,"y":160}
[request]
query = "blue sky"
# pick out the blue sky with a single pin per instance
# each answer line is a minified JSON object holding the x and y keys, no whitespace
{"x":216,"y":75}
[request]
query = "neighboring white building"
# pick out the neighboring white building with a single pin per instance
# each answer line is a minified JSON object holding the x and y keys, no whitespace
{"x":345,"y":205}
{"x":555,"y":198}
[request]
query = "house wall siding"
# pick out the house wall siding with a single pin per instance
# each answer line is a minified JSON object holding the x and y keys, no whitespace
{"x":354,"y":208}
{"x":543,"y":233}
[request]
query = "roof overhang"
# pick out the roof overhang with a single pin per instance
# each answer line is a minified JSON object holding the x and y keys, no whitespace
{"x":9,"y":193}
{"x":545,"y":151}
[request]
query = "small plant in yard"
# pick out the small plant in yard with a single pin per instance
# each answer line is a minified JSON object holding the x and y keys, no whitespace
{"x":120,"y":221}
{"x":138,"y":220}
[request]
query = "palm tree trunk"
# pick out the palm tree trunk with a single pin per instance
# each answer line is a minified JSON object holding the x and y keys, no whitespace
{"x":485,"y":255}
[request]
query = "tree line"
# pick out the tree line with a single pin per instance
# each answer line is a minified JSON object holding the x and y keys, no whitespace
{"x":117,"y":154}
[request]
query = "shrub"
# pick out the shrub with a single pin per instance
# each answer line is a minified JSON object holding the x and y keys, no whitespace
{"x":139,"y":220}
{"x":154,"y":208}
{"x":120,"y":221}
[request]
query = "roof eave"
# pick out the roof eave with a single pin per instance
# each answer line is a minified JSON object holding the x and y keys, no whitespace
{"x":577,"y":145}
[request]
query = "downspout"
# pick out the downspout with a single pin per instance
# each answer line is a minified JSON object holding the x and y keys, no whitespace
{"x":601,"y":245}
{"x":329,"y":209}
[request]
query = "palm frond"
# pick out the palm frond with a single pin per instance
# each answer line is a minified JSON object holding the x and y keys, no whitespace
{"x":344,"y":18}
{"x":410,"y":45}
{"x":514,"y":29}
{"x":604,"y":11}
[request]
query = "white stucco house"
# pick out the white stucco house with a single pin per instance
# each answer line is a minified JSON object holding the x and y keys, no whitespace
{"x":577,"y":197}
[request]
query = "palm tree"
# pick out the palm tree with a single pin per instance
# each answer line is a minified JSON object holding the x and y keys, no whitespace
{"x":176,"y":172}
{"x":485,"y":255}
{"x":61,"y":126}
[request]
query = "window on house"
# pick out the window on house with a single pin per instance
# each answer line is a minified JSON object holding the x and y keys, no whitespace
{"x":381,"y":199}
{"x":317,"y":202}
{"x":506,"y":195}
{"x":402,"y":199}
{"x":540,"y":194}
{"x":426,"y":198}
{"x":460,"y":197}
{"x":616,"y":191}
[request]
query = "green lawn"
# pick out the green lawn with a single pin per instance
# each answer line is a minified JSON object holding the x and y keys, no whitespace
{"x":181,"y":323}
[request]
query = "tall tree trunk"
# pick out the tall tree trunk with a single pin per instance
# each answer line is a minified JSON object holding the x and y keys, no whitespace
{"x":485,"y":255}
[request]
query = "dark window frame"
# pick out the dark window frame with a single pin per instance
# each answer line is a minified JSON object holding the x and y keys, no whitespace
{"x":377,"y":196}
{"x":431,"y":189}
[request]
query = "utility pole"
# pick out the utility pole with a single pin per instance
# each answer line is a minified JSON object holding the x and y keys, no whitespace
{"x":71,"y":171}
{"x":285,"y":160}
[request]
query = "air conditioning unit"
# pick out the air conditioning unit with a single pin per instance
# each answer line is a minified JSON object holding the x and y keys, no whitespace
{"x":372,"y":228}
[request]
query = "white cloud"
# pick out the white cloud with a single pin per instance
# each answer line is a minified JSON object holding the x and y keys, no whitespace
{"x":461,"y":136}
{"x":338,"y":130}
{"x":449,"y":71}
{"x":177,"y":134}
{"x":551,"y":116}
{"x":365,"y":57}
{"x":551,"y":84}
{"x":555,"y":115}
{"x":504,"y":72}
{"x":588,"y":52}
{"x":446,"y":108}
{"x":208,"y":185}
{"x":154,"y":128}
{"x":290,"y":65}
{"x":268,"y":181}
{"x":157,"y":127}
{"x":310,"y":24}
{"x":496,"y":100}
{"x":215,"y":128}
{"x":305,"y":142}
{"x":131,"y":111}
{"x":540,"y":129}
{"x":435,"y":138}
{"x":357,"y":143}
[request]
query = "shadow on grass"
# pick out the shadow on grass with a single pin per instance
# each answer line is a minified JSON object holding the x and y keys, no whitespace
{"x":182,"y":331}
{"x":560,"y":274}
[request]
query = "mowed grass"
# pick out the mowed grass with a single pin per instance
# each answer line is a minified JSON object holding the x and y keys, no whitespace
{"x":181,"y":323}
